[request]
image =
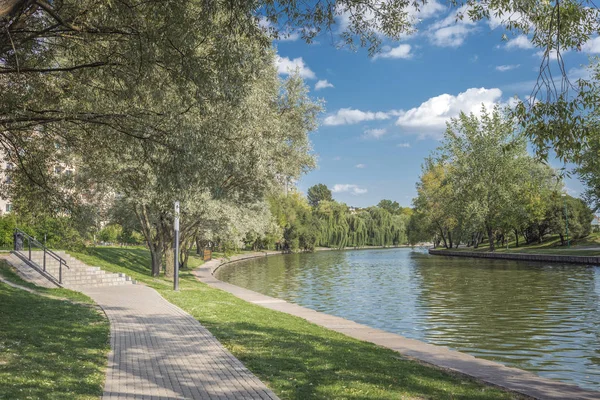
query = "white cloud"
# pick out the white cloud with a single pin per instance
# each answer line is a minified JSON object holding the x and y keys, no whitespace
{"x":322,"y":84}
{"x":450,"y":36}
{"x":453,"y":19}
{"x":504,"y":68}
{"x":520,"y":42}
{"x":495,"y":20}
{"x":360,"y":166}
{"x":284,"y":35}
{"x":427,"y":10}
{"x":374,"y":133}
{"x":452,"y":30}
{"x":348,"y":188}
{"x":592,"y":46}
{"x":430,"y":117}
{"x":285,"y":66}
{"x":349,"y":116}
{"x":403,"y":145}
{"x":402,"y":51}
{"x":552,"y":54}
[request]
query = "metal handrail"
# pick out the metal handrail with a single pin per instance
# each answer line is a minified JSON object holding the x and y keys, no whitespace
{"x":30,"y":239}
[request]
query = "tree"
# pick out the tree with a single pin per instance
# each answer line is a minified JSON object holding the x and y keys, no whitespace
{"x":51,"y":48}
{"x":391,"y":206}
{"x":434,"y":194}
{"x":579,"y":218}
{"x":487,"y":161}
{"x":110,"y":233}
{"x":318,"y":193}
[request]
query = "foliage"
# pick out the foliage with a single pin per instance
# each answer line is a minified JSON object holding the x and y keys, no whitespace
{"x":110,"y":233}
{"x":58,"y":232}
{"x":482,"y":182}
{"x":318,"y":193}
{"x":333,"y":224}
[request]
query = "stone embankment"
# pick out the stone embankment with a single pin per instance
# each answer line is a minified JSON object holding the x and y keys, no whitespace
{"x":553,"y":258}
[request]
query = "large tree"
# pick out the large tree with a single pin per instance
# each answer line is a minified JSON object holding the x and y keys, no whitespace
{"x":318,"y":193}
{"x":49,"y":49}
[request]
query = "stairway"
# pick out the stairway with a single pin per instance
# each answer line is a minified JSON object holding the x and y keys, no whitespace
{"x":78,"y":275}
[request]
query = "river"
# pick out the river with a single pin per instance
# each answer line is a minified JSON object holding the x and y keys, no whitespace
{"x":539,"y":317}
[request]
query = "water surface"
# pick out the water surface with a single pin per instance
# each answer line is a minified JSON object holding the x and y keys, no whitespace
{"x":539,"y":317}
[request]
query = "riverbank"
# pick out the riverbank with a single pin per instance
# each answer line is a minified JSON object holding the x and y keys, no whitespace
{"x":490,"y":372}
{"x":296,"y":358}
{"x":553,"y":258}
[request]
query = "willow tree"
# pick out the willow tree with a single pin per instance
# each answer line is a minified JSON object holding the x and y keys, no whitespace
{"x":357,"y":229}
{"x":333,"y":224}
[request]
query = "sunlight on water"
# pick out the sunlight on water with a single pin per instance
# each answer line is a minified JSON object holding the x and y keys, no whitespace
{"x":543,"y":318}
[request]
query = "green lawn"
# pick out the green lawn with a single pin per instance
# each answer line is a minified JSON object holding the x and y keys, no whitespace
{"x":297,"y":359}
{"x":50,"y":348}
{"x":587,"y":246}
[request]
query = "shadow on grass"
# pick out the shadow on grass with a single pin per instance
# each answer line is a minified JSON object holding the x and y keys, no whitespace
{"x":301,"y":365}
{"x":300,"y":360}
{"x":50,"y":348}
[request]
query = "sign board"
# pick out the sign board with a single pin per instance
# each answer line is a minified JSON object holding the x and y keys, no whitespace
{"x":207,"y":255}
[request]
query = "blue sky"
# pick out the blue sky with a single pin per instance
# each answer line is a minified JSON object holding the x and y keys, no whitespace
{"x":384,"y":115}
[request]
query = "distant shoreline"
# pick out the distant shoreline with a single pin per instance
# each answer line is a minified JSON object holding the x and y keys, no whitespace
{"x":553,"y":258}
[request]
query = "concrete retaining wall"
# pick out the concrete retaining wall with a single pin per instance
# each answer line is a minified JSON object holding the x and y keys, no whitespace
{"x":587,"y":260}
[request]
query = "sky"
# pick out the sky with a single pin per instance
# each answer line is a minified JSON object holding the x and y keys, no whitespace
{"x":385,"y":114}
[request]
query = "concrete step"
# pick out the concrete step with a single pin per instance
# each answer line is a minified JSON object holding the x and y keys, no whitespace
{"x":76,"y":273}
{"x":79,"y":286}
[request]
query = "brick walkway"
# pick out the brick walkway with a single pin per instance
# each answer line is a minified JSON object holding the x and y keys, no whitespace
{"x":158,"y":351}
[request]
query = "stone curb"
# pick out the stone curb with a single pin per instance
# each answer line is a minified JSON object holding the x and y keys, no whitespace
{"x":496,"y":374}
{"x":587,"y":260}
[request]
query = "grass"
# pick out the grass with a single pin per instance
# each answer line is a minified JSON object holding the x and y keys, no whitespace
{"x":551,"y":245}
{"x":297,"y":359}
{"x":50,"y":348}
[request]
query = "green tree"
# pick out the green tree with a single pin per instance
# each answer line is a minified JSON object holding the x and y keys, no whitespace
{"x":110,"y":233}
{"x":487,"y":161}
{"x":318,"y":193}
{"x":391,"y":206}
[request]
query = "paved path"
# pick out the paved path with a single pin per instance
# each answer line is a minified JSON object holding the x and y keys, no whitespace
{"x":158,"y":351}
{"x":488,"y":371}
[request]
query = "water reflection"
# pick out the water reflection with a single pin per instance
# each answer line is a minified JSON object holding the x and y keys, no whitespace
{"x":543,"y":318}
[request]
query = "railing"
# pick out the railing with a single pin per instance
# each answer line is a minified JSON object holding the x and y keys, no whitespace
{"x":20,"y":237}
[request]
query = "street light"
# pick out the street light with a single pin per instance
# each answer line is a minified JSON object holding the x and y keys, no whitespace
{"x":176,"y":255}
{"x":564,"y":196}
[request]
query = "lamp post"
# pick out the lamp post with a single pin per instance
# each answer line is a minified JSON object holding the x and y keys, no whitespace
{"x":564,"y":196}
{"x":176,"y":266}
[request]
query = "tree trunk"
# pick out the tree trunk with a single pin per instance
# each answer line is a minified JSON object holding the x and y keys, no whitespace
{"x":170,"y":262}
{"x":155,"y":244}
{"x":562,"y":239}
{"x":517,"y":237}
{"x":198,"y":246}
{"x":490,"y":233}
{"x":450,"y":239}
{"x":156,"y":258}
{"x":477,"y":240}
